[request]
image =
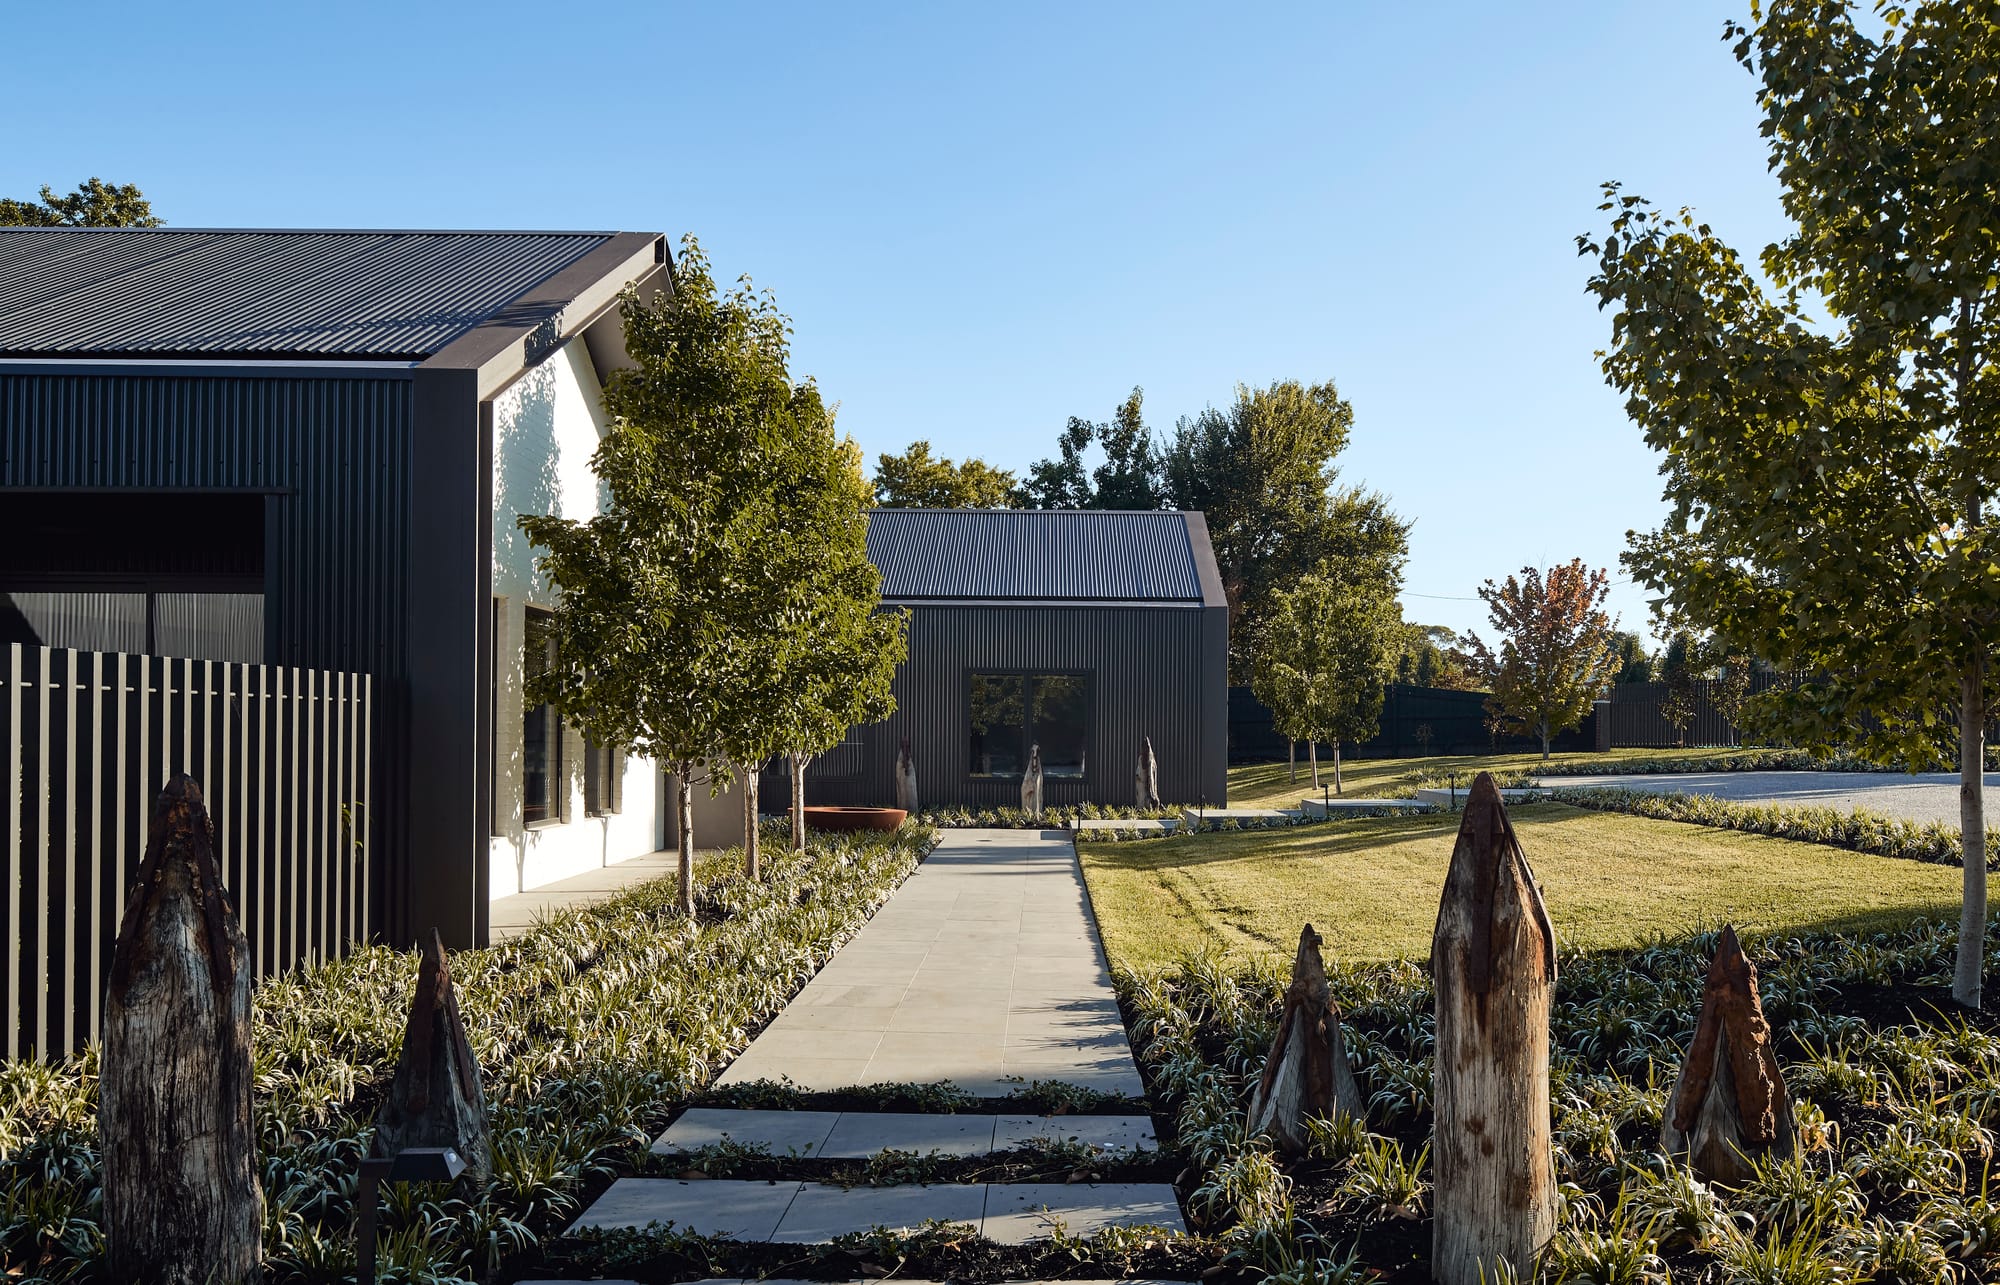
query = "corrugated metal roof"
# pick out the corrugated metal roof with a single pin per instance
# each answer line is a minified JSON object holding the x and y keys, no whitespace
{"x":1033,"y":554}
{"x":263,"y":293}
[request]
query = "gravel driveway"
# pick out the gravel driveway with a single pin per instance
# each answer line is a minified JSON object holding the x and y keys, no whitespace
{"x":1928,"y":796}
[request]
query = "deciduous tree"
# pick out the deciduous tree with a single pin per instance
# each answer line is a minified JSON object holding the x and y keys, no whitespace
{"x":94,"y":204}
{"x":1129,"y":476}
{"x":1554,"y":652}
{"x":1323,"y":657}
{"x":1829,"y":431}
{"x":917,"y":480}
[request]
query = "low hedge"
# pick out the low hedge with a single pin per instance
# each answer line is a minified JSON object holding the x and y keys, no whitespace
{"x":964,"y":818}
{"x":590,"y":1030}
{"x":1859,"y":830}
{"x":1757,"y":760}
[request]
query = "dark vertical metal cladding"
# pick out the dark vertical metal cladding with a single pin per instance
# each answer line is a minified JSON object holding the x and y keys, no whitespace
{"x":332,"y":454}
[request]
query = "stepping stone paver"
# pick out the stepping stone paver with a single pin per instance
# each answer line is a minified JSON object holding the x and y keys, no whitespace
{"x":1112,"y":1133}
{"x":782,"y":1132}
{"x":1017,"y":1213}
{"x":861,"y":1134}
{"x":747,"y":1211}
{"x":974,"y":972}
{"x":822,"y":1212}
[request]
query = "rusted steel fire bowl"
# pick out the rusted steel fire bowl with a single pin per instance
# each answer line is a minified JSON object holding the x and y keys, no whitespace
{"x":848,"y":819}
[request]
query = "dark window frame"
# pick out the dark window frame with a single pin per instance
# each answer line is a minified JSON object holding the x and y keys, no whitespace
{"x":540,"y":814}
{"x":1089,"y":677}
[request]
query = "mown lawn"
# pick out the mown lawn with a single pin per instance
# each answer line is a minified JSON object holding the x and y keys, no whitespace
{"x":1268,"y":785}
{"x":1371,"y":887}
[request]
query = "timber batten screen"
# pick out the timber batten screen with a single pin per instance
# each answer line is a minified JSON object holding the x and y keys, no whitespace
{"x":88,"y":739}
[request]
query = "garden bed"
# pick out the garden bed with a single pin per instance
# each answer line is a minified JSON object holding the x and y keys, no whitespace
{"x":591,"y":1031}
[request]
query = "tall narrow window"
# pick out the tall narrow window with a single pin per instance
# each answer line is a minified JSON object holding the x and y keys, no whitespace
{"x":1011,"y":714}
{"x":541,"y":729}
{"x":600,"y":779}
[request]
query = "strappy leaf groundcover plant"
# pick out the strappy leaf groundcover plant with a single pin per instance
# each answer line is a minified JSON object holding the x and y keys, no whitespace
{"x":590,"y":1030}
{"x":1894,"y":1181}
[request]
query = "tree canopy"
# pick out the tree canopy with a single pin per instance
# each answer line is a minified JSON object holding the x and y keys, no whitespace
{"x":1829,"y":430}
{"x":1554,"y":655}
{"x":1324,"y":655}
{"x":918,"y":480}
{"x":94,"y":204}
{"x":1130,"y":476}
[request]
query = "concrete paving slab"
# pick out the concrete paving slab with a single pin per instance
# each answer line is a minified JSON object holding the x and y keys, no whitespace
{"x":1340,"y":807}
{"x":822,"y":1212}
{"x":783,"y":1133}
{"x":740,"y":1210}
{"x":860,"y":1134}
{"x":1020,"y":1212}
{"x":1448,"y":800}
{"x":1111,"y":1133}
{"x":1147,"y":826}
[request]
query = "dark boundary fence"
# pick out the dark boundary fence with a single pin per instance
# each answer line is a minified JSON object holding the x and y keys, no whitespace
{"x":1637,"y":713}
{"x":1414,"y":721}
{"x":90,"y":738}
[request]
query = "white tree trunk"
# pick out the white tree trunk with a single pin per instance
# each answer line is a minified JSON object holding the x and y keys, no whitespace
{"x":1966,"y":978}
{"x":182,"y":1204}
{"x":684,"y":799}
{"x":798,"y":764}
{"x":1292,"y":759}
{"x":1493,"y":963}
{"x":752,"y":857}
{"x":1729,"y":1108}
{"x":1312,"y":756}
{"x":1336,"y":767}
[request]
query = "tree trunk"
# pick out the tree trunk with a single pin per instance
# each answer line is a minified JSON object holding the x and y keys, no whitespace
{"x":1545,"y":740}
{"x":798,"y":766}
{"x":1292,"y":759}
{"x":1146,"y":782}
{"x":435,"y":1099}
{"x":1031,"y":785}
{"x":906,"y":778}
{"x":752,"y":866}
{"x":684,"y":799}
{"x":1312,"y":756}
{"x":182,"y":1205}
{"x":1493,"y":964}
{"x":1728,"y":1108}
{"x":1336,"y":767}
{"x":1307,"y":1072}
{"x":1966,"y":977}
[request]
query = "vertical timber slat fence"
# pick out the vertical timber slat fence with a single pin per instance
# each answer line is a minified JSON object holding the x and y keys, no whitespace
{"x":88,"y":740}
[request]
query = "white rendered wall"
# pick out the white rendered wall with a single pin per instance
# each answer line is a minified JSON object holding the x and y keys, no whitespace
{"x":545,"y":429}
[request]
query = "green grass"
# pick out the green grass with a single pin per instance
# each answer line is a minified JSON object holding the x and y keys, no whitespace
{"x":1371,"y":887}
{"x":1266,"y":785}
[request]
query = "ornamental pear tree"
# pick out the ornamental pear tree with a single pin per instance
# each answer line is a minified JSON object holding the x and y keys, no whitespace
{"x":1831,"y":427}
{"x":1555,"y":653}
{"x":1325,"y":653}
{"x":663,"y":594}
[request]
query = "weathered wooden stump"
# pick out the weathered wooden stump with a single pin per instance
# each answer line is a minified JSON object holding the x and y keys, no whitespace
{"x":1493,"y":965}
{"x":1031,"y":785}
{"x":906,"y":777}
{"x":435,"y":1099}
{"x":1307,"y":1072}
{"x":182,"y":1204}
{"x":1146,"y":782}
{"x":1729,"y":1107}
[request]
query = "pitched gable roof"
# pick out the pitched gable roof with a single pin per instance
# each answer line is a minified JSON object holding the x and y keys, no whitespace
{"x":1040,"y":555}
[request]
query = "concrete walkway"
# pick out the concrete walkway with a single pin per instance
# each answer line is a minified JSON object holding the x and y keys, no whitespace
{"x":984,"y":969}
{"x":512,"y":915}
{"x":1927,"y":796}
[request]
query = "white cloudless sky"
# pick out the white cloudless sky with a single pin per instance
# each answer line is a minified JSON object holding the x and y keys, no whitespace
{"x":986,"y":219}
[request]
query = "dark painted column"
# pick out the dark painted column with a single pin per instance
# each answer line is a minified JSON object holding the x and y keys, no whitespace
{"x":449,"y":607}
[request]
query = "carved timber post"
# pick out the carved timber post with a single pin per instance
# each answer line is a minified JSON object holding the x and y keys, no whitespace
{"x":906,"y":777}
{"x":1146,"y":783}
{"x":182,"y":1205}
{"x":1493,"y":965}
{"x":1031,"y":785}
{"x":1307,"y":1073}
{"x":1729,"y":1106}
{"x":435,"y":1099}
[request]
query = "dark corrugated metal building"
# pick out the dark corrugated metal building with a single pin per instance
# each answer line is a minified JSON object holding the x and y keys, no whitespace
{"x":1081,"y":633}
{"x":289,"y":434}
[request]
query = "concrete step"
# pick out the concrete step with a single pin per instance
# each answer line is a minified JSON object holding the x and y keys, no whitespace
{"x":811,"y":1213}
{"x":1149,"y":826}
{"x":1341,"y":807}
{"x":854,"y":1135}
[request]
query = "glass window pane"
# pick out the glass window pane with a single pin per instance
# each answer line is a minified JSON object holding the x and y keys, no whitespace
{"x":994,"y":710}
{"x":1062,"y":724}
{"x":541,"y":730}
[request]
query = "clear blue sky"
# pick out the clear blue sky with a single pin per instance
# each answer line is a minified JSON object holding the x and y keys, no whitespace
{"x":984,"y":220}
